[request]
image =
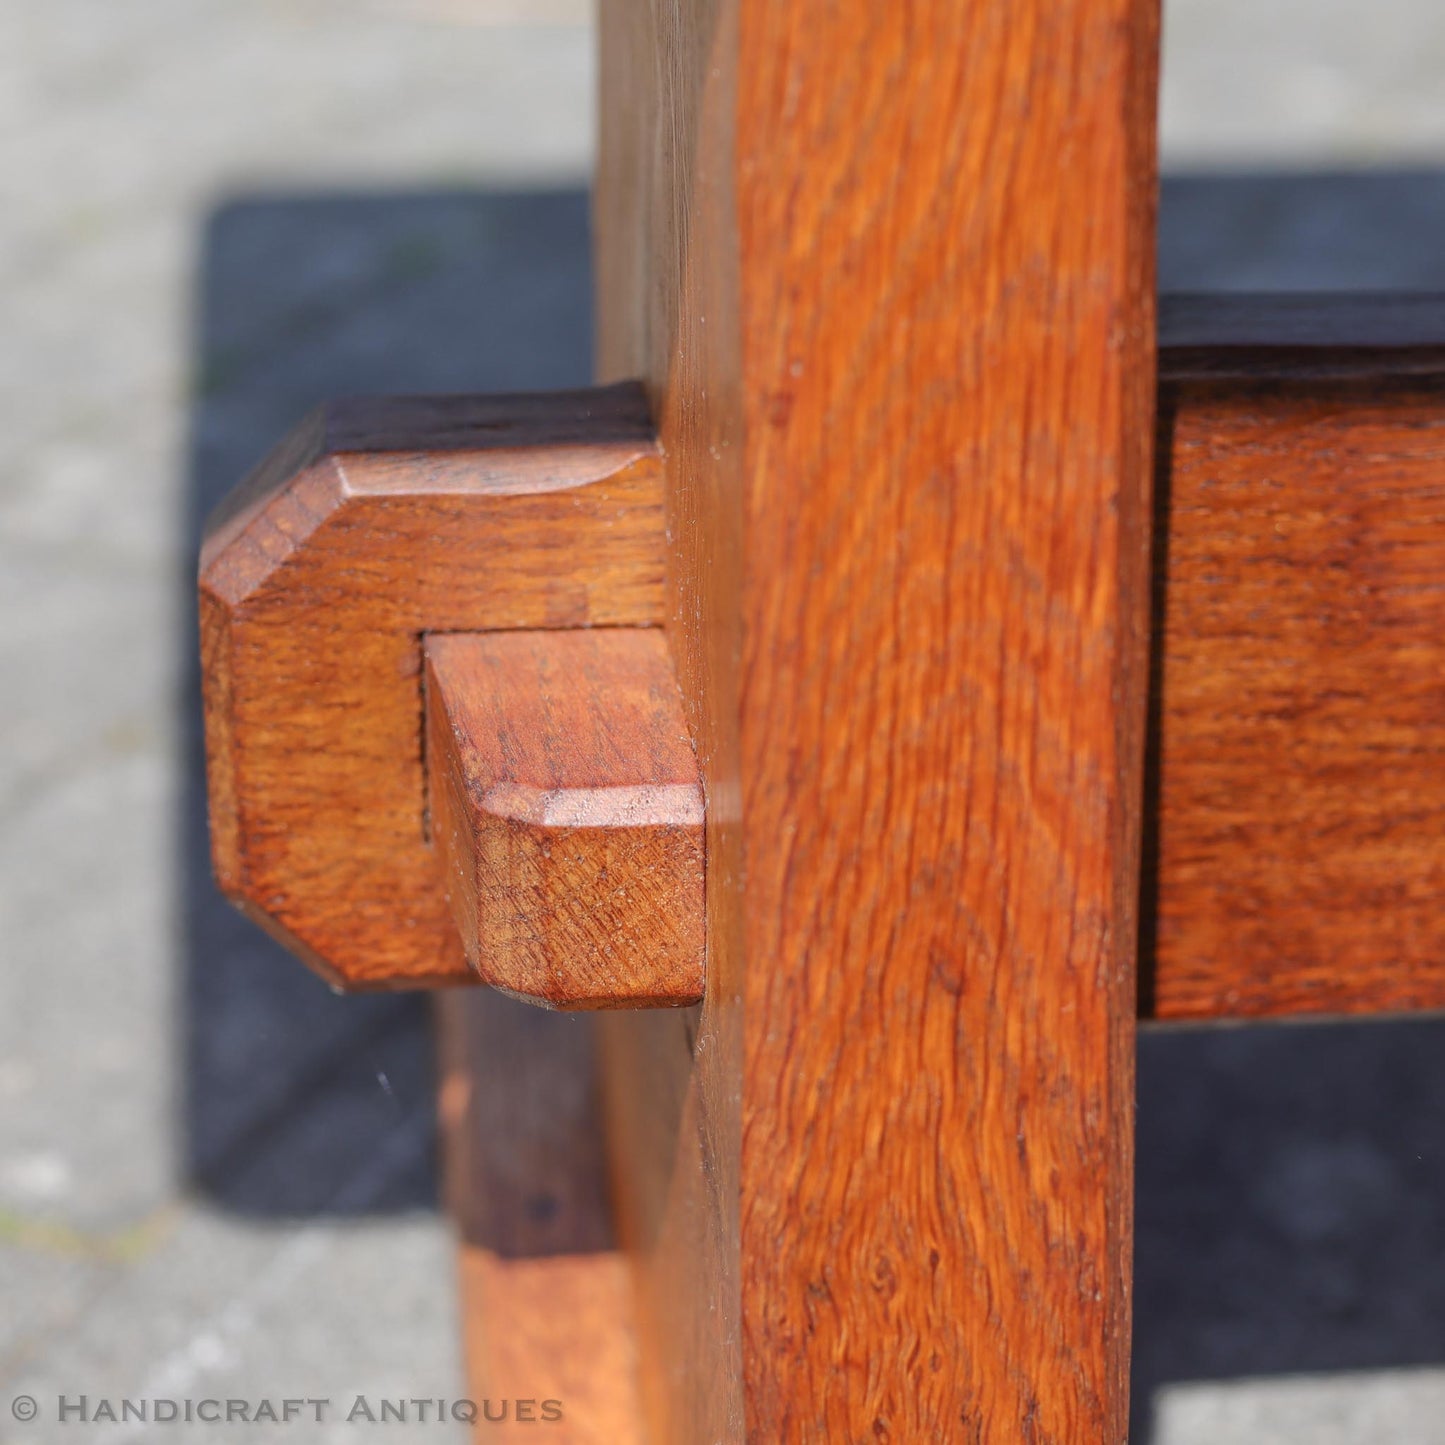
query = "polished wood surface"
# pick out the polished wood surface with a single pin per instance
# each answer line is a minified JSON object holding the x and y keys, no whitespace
{"x":664,"y":235}
{"x":376,"y":522}
{"x":888,"y":274}
{"x":1298,"y":858}
{"x":1291,"y":867}
{"x":565,"y":804}
{"x":876,"y":527}
{"x":1298,"y":528}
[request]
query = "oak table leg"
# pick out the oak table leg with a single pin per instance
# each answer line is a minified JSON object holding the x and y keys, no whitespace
{"x":537,"y":774}
{"x":879,"y":1183}
{"x":887,"y":271}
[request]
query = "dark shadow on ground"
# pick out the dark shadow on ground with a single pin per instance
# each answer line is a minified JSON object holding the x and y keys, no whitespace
{"x":1291,"y":1212}
{"x":290,"y":1087}
{"x":1291,"y":1202}
{"x":1378,"y":230}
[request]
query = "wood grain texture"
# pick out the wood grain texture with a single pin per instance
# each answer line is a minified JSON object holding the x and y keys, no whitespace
{"x":546,"y":1297}
{"x":566,"y":807}
{"x":908,"y":593}
{"x":667,"y":263}
{"x":376,"y":522}
{"x":1298,"y":860}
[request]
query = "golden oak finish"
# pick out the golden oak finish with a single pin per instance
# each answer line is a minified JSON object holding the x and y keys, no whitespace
{"x":378,"y":521}
{"x":1299,"y":859}
{"x":880,"y":1187}
{"x":667,"y":309}
{"x":1271,"y":575}
{"x":566,"y":806}
{"x":903,"y":1108}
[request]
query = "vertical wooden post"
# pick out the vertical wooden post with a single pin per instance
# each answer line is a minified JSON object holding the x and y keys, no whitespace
{"x":887,"y":270}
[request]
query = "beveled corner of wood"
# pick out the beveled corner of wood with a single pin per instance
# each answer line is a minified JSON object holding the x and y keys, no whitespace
{"x":374,"y":522}
{"x":256,"y":530}
{"x":567,"y":811}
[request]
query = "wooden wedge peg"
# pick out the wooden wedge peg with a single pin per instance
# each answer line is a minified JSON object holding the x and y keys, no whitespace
{"x":375,"y":524}
{"x":567,"y":810}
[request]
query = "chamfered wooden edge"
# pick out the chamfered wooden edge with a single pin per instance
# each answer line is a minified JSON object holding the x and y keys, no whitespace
{"x":567,"y":810}
{"x":374,"y":523}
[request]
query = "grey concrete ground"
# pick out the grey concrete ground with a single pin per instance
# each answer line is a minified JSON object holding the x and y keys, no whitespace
{"x":215,"y":1177}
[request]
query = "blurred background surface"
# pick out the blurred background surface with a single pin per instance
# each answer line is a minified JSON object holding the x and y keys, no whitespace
{"x":216,"y":1177}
